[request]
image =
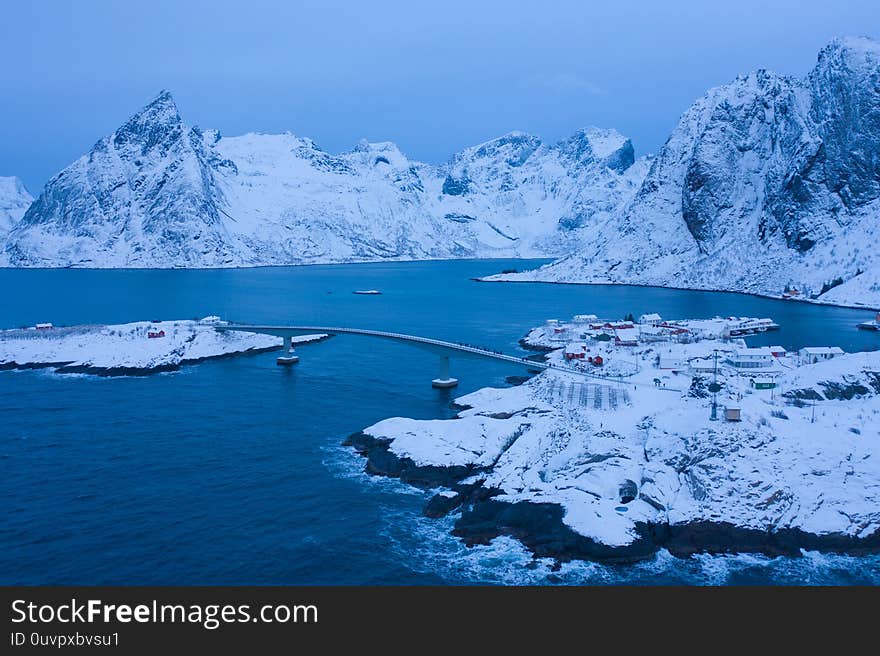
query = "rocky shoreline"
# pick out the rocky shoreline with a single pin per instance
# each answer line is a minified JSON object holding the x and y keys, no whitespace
{"x":496,"y":278}
{"x":541,"y":529}
{"x":733,"y":494}
{"x":110,"y":372}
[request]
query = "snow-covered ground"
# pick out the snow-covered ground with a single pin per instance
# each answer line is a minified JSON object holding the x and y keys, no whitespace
{"x":796,"y":461}
{"x":127,"y":348}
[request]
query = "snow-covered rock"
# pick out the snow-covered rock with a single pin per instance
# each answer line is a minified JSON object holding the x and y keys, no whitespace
{"x":574,"y":478}
{"x":14,"y":201}
{"x":127,"y":349}
{"x":157,"y":193}
{"x":765,"y":182}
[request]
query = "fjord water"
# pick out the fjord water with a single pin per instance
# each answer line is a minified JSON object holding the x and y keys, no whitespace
{"x":231,"y":471}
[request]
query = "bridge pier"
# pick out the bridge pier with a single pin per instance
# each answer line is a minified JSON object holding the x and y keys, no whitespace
{"x":288,"y":357}
{"x":444,"y":380}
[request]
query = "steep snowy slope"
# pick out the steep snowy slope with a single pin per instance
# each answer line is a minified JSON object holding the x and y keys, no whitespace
{"x":766,"y":182}
{"x":14,"y":201}
{"x":521,"y":188}
{"x":157,"y":193}
{"x":144,"y":195}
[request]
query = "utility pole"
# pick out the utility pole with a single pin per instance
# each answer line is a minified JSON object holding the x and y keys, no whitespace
{"x":714,"y":387}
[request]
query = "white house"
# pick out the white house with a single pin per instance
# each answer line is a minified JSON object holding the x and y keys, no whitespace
{"x":751,"y":358}
{"x":585,"y":318}
{"x":702,"y":365}
{"x":650,"y":319}
{"x":813,"y":354}
{"x":673,"y":361}
{"x":626,"y":337}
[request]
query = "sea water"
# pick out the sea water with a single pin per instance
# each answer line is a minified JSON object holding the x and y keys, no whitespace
{"x":232,"y":472}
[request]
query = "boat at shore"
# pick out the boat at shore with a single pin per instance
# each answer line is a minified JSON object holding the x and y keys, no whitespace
{"x":873,"y":324}
{"x":751,"y":326}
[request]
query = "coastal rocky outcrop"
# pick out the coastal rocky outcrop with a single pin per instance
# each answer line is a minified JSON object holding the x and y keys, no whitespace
{"x":572,"y":480}
{"x":767,"y":184}
{"x":159,"y":193}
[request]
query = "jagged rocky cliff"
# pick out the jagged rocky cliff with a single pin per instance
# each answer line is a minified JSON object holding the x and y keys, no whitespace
{"x":766,"y":183}
{"x":14,"y":201}
{"x":157,"y":193}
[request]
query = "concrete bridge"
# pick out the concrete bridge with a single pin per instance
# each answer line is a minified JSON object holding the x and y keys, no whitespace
{"x":440,"y":347}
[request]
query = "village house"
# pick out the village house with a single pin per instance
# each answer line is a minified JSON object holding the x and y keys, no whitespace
{"x":575,"y":351}
{"x":672,"y":361}
{"x":626,"y":337}
{"x":702,"y":365}
{"x":814,"y":354}
{"x":732,"y":413}
{"x":751,"y":358}
{"x":651,"y":319}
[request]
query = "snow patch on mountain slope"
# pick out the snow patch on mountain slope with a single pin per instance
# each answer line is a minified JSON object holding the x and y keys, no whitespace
{"x":14,"y":201}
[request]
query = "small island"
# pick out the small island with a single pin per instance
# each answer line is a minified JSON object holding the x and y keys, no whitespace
{"x":130,"y":349}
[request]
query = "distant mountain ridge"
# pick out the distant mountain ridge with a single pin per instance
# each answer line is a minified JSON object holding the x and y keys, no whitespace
{"x":158,"y":193}
{"x":766,"y":183}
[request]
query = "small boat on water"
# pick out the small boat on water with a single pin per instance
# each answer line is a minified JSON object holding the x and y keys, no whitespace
{"x":873,"y":324}
{"x":367,"y":292}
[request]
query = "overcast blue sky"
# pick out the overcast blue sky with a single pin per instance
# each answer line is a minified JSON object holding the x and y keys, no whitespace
{"x":433,"y":77}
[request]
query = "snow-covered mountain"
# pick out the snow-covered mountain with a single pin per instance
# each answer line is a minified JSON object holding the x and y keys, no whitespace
{"x":14,"y":201}
{"x":157,"y":193}
{"x":766,"y":183}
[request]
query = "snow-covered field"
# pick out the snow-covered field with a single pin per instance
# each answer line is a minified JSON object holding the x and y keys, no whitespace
{"x":127,"y":348}
{"x":796,"y":461}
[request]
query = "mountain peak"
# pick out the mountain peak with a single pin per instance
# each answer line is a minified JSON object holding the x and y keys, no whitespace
{"x":855,"y":53}
{"x":12,"y":186}
{"x":162,"y":105}
{"x":158,"y":123}
{"x":607,"y":145}
{"x":163,"y":96}
{"x":863,"y":44}
{"x":14,"y":200}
